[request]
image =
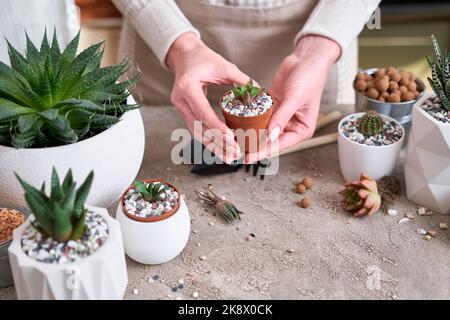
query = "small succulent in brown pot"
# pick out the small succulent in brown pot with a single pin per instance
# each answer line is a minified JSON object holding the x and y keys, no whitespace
{"x":150,"y":200}
{"x":247,"y":107}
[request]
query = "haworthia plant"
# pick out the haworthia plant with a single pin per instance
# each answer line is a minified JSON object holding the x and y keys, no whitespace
{"x":152,"y":191}
{"x":440,"y":74}
{"x":246,"y":93}
{"x":62,"y":214}
{"x":50,"y":97}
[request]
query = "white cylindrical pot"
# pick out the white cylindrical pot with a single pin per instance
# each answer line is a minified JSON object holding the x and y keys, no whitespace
{"x":158,"y":241}
{"x":115,"y":155}
{"x":356,"y":158}
{"x":427,"y":165}
{"x":102,"y":275}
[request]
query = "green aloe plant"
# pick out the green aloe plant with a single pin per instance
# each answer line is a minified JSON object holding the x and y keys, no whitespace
{"x":246,"y":93}
{"x":50,"y":97}
{"x":62,"y":214}
{"x":440,"y":74}
{"x":151,"y":192}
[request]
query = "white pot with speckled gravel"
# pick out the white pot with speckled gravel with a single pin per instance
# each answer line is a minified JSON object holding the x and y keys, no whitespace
{"x":104,"y":153}
{"x":154,"y":238}
{"x":100,"y":275}
{"x":375,"y":160}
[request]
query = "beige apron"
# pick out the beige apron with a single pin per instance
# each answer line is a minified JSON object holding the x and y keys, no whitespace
{"x":255,"y":39}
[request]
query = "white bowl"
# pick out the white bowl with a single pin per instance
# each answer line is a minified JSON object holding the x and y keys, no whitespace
{"x":155,"y":242}
{"x":115,"y":155}
{"x":356,"y":158}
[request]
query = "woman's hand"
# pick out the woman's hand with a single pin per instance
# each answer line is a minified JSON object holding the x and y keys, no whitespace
{"x":297,"y":89}
{"x":197,"y":66}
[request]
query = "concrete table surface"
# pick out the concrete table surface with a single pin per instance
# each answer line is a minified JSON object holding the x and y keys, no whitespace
{"x":315,"y":253}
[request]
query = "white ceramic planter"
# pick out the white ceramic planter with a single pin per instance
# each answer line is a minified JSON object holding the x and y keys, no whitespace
{"x":427,"y":166}
{"x":115,"y":155}
{"x":376,"y":161}
{"x":155,"y":242}
{"x":102,"y":275}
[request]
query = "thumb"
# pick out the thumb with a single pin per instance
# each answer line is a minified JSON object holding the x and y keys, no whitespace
{"x":281,"y":117}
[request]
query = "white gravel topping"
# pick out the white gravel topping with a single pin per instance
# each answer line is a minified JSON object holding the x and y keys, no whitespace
{"x":258,"y":106}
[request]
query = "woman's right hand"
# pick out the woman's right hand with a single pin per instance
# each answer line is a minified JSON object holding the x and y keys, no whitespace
{"x":196,"y":66}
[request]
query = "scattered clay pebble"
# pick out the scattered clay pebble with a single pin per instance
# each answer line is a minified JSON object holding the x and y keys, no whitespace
{"x":195,"y":294}
{"x":403,"y":220}
{"x":203,"y":258}
{"x":429,"y":213}
{"x":410,"y":215}
{"x":135,"y":291}
{"x":308,"y":182}
{"x":432,"y":233}
{"x":443,"y":226}
{"x":248,"y":238}
{"x":427,"y":237}
{"x":422,"y":232}
{"x":421,"y":211}
{"x":305,"y":202}
{"x":301,"y":188}
{"x":392,"y":212}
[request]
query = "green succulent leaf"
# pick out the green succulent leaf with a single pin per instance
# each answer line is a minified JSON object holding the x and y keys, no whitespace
{"x":61,"y":215}
{"x":51,"y":97}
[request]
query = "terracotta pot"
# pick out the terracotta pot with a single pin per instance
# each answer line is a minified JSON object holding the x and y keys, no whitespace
{"x":155,"y":240}
{"x":165,"y":215}
{"x":258,"y":123}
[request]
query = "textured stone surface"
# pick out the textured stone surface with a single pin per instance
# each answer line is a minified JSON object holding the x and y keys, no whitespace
{"x":319,"y":252}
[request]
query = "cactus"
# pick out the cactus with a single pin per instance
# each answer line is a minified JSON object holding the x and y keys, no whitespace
{"x":370,"y":123}
{"x":62,"y":214}
{"x":246,"y":93}
{"x":151,"y":192}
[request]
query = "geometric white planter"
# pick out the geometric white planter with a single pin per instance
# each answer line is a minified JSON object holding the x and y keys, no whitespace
{"x":155,"y":242}
{"x":115,"y":155}
{"x":356,"y":158}
{"x":102,"y":275}
{"x":427,"y":166}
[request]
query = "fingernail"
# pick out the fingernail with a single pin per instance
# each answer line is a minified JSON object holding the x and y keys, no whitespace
{"x":274,"y":133}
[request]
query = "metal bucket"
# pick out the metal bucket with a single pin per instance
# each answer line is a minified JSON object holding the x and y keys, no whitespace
{"x":399,"y":111}
{"x":6,"y":278}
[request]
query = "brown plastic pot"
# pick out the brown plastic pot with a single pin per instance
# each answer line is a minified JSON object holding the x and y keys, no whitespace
{"x":165,"y":215}
{"x":258,"y":123}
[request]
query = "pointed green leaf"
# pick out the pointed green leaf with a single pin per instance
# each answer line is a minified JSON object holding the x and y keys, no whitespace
{"x":82,"y":194}
{"x":56,"y":191}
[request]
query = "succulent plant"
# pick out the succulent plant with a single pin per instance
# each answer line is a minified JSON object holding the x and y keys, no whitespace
{"x":361,"y":197}
{"x":62,"y":214}
{"x":226,"y":209}
{"x":370,"y":124}
{"x":246,"y":93}
{"x":151,"y":192}
{"x":49,"y":97}
{"x":440,"y":74}
{"x":367,"y":196}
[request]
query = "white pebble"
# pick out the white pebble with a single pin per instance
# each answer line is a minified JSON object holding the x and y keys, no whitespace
{"x":195,"y":294}
{"x":392,"y":212}
{"x":135,"y":291}
{"x":443,"y":226}
{"x":203,"y":258}
{"x":421,"y":232}
{"x":403,"y":220}
{"x":421,"y":211}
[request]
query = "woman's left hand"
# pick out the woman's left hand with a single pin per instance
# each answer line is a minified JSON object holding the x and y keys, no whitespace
{"x":297,"y":89}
